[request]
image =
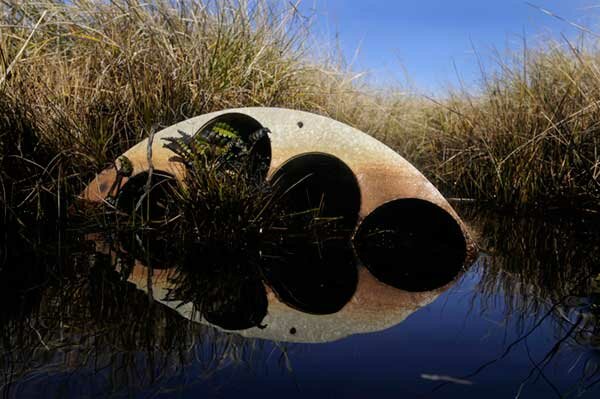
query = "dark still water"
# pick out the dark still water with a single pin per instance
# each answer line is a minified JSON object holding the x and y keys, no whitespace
{"x":84,"y":317}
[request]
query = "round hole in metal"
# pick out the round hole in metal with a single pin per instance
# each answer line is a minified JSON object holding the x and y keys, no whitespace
{"x":156,"y":205}
{"x":320,"y":183}
{"x":411,"y":244}
{"x":247,"y":127}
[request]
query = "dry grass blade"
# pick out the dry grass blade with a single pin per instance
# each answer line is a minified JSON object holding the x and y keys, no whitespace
{"x":20,"y":53}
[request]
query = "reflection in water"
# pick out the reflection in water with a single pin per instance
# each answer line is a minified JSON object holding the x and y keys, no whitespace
{"x":541,"y":264}
{"x":547,"y":258}
{"x":374,"y":306}
{"x":317,"y":277}
{"x":77,"y":329}
{"x":223,"y":283}
{"x":544,"y":273}
{"x":96,"y":318}
{"x":20,"y":286}
{"x":79,"y":317}
{"x":155,"y":250}
{"x":224,"y":286}
{"x":305,"y":278}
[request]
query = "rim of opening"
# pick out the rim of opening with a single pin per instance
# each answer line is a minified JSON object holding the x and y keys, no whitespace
{"x":442,"y":228}
{"x":245,"y":125}
{"x":355,"y":186}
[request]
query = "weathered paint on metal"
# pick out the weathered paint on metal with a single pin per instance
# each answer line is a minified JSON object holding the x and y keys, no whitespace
{"x":382,"y":174}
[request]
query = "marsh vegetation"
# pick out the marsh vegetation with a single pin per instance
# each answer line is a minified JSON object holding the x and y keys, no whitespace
{"x":82,"y":81}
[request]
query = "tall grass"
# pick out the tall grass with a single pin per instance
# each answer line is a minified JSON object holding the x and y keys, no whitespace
{"x":87,"y":79}
{"x":92,"y":78}
{"x":530,"y":139}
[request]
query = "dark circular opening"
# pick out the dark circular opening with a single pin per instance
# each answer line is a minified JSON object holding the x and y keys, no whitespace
{"x":260,"y":155}
{"x":320,"y":183}
{"x":157,"y":205}
{"x":411,"y":244}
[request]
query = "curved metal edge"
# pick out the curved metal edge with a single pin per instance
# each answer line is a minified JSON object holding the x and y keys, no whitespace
{"x":382,"y":174}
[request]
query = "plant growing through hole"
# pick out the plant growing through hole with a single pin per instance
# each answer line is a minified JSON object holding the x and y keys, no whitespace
{"x":224,"y":192}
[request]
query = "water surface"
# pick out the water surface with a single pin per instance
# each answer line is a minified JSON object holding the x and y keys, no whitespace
{"x":87,"y":318}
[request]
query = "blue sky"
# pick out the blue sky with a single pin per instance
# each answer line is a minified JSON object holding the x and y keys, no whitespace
{"x":424,"y":39}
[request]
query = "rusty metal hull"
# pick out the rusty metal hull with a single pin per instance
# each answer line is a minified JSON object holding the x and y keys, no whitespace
{"x":381,"y":173}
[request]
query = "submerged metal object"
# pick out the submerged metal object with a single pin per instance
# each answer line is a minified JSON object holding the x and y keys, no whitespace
{"x":302,"y":142}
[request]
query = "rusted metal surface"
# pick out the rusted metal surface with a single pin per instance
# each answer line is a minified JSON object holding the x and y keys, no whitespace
{"x":382,"y":174}
{"x":375,"y":306}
